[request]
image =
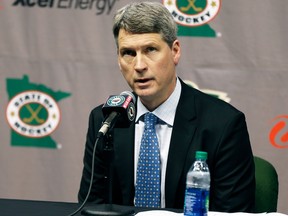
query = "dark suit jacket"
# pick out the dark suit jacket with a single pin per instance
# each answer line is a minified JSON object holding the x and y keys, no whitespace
{"x":202,"y":122}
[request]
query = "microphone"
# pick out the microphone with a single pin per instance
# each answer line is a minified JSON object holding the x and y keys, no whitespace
{"x":119,"y":111}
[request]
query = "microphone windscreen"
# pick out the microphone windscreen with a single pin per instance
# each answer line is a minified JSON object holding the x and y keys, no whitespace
{"x":130,"y":94}
{"x":124,"y":104}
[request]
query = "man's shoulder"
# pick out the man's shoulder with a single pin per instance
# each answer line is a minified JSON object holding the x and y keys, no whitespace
{"x":97,"y":111}
{"x":205,"y":102}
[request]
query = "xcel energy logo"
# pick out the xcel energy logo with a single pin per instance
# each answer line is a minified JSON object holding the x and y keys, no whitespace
{"x":100,"y":6}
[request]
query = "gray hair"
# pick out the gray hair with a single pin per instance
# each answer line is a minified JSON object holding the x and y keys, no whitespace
{"x":145,"y":17}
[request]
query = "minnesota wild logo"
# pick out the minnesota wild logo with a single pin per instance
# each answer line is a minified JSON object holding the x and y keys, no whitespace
{"x":32,"y":113}
{"x":193,"y":16}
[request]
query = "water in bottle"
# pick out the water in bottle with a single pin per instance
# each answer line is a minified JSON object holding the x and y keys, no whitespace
{"x":197,"y":187}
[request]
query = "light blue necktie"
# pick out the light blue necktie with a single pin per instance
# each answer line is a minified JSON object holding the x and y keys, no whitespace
{"x":148,"y":186}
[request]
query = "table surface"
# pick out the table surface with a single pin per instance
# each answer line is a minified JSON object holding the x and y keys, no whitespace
{"x":14,"y":207}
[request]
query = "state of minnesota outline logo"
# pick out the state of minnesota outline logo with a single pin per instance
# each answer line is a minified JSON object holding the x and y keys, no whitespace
{"x":32,"y":113}
{"x":193,"y":16}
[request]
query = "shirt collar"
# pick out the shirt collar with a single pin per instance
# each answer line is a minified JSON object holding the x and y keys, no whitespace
{"x":166,"y":111}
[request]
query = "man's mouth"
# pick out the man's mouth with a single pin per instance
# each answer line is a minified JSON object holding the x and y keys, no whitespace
{"x":144,"y":80}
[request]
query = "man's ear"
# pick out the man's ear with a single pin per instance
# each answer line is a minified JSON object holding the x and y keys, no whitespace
{"x":176,"y":51}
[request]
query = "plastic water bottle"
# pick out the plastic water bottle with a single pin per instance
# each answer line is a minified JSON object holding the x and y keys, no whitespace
{"x":197,"y":187}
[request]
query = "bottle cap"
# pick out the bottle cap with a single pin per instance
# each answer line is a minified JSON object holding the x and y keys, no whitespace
{"x":201,"y":155}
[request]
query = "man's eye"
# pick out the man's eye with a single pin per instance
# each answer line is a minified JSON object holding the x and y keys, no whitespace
{"x":128,"y":52}
{"x":150,"y":49}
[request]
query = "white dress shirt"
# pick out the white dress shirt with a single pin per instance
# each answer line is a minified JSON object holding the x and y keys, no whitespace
{"x":166,"y":114}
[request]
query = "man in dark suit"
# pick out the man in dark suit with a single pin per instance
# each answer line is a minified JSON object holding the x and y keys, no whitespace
{"x":189,"y":120}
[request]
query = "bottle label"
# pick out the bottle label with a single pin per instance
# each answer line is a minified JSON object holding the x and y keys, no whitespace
{"x":196,"y":202}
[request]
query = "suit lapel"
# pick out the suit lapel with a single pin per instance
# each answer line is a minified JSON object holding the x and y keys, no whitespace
{"x":183,"y":132}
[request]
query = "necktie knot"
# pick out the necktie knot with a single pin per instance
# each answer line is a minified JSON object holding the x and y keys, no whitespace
{"x":150,"y":120}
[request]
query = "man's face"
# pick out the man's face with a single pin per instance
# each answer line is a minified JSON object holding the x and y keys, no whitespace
{"x":148,"y":65}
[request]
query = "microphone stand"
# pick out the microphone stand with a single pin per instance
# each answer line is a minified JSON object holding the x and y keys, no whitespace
{"x":109,"y":209}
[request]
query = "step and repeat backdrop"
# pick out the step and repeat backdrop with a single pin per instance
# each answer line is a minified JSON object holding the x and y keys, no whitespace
{"x":58,"y":60}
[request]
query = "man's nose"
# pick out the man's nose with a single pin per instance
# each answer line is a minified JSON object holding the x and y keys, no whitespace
{"x":140,"y":63}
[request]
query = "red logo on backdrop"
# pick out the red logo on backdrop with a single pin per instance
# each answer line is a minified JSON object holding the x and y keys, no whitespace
{"x":279,"y":133}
